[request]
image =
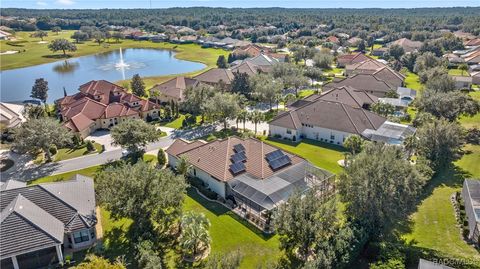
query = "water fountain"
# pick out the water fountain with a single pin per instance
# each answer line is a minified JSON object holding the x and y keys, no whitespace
{"x":121,"y":64}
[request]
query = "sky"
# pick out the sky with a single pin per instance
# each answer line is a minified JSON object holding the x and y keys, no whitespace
{"x":98,"y":4}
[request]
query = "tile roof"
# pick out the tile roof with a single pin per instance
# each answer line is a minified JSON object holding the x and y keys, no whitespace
{"x":330,"y":115}
{"x":180,"y":146}
{"x":175,"y":87}
{"x":219,"y":152}
{"x":407,"y":44}
{"x":364,"y":82}
{"x":26,"y":226}
{"x":352,"y":58}
{"x":11,"y":184}
{"x":100,"y":87}
{"x":349,"y":96}
{"x":214,"y":75}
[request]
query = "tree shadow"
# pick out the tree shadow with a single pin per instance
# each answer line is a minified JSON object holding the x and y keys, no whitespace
{"x":219,"y":210}
{"x":57,"y":56}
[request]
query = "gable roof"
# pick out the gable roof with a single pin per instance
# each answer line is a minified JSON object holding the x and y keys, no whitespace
{"x":214,"y":75}
{"x":352,"y":58}
{"x":175,"y":87}
{"x":219,"y":152}
{"x":365,"y":66}
{"x":364,"y":82}
{"x":25,"y":226}
{"x":11,"y":184}
{"x":349,"y":96}
{"x":246,"y":67}
{"x":407,"y":44}
{"x":330,"y":115}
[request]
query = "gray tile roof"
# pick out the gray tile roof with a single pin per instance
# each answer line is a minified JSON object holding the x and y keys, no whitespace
{"x":11,"y":184}
{"x":26,"y":226}
{"x":330,"y":115}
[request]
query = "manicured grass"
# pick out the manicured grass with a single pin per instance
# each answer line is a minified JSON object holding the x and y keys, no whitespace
{"x":457,"y":72}
{"x":411,"y":81}
{"x":90,"y":172}
{"x":229,"y":233}
{"x":33,"y":53}
{"x":470,"y":161}
{"x":472,"y":122}
{"x":68,"y":153}
{"x":321,"y":154}
{"x":306,"y":93}
{"x":176,"y":124}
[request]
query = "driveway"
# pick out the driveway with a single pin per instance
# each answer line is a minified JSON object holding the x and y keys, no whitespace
{"x":25,"y":170}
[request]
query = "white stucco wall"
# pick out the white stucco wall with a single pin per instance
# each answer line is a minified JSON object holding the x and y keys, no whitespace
{"x":315,"y":133}
{"x":212,"y":183}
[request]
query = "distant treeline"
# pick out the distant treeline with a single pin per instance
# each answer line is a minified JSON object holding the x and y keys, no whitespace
{"x":342,"y":20}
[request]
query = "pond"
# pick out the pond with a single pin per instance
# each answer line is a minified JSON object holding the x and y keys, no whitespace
{"x":16,"y":84}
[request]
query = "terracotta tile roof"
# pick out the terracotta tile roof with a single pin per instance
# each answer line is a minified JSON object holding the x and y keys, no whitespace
{"x":180,"y":146}
{"x":332,"y":39}
{"x":100,"y":87}
{"x":330,"y":115}
{"x":352,"y":58}
{"x":118,"y":110}
{"x":79,"y":123}
{"x":90,"y":108}
{"x":214,"y":157}
{"x":473,"y":42}
{"x":128,"y":97}
{"x":214,"y":75}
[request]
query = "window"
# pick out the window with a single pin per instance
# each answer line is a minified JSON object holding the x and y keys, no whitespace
{"x":92,"y":233}
{"x":289,"y":131}
{"x":332,"y":137}
{"x":81,"y":236}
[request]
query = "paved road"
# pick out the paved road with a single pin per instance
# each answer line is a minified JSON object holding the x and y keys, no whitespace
{"x":24,"y":172}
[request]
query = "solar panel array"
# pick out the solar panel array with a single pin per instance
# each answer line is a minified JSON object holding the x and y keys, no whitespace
{"x":277,"y":159}
{"x":274,"y":155}
{"x":237,"y":167}
{"x":239,"y":157}
{"x":239,"y":148}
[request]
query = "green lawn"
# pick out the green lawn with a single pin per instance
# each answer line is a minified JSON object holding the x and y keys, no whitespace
{"x":33,"y":53}
{"x":176,"y":124}
{"x":457,"y":72}
{"x":411,"y":81}
{"x":472,"y":122}
{"x":306,"y":93}
{"x":321,"y":154}
{"x":68,"y":153}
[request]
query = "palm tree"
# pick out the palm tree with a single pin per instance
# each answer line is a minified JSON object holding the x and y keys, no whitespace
{"x":156,"y":94}
{"x":242,"y":116}
{"x":354,"y":143}
{"x":195,"y":233}
{"x":183,"y":166}
{"x":256,"y":117}
{"x":410,"y":144}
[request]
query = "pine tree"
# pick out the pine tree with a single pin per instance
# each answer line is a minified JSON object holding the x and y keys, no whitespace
{"x":138,"y":86}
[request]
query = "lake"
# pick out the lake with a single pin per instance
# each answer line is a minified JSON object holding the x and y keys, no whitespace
{"x":16,"y":84}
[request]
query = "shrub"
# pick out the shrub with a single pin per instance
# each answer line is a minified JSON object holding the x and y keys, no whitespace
{"x":465,"y":232}
{"x":211,"y":137}
{"x":90,"y":146}
{"x":161,"y":158}
{"x":53,"y":149}
{"x":200,"y":186}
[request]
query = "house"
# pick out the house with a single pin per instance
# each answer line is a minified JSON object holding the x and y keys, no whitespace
{"x":11,"y":115}
{"x":255,"y":176}
{"x":354,"y":41}
{"x":100,"y":104}
{"x":40,"y":222}
{"x":349,"y":96}
{"x":475,"y":77}
{"x":346,"y":59}
{"x":462,"y":82}
{"x":453,"y":59}
{"x":472,"y":57}
{"x":407,"y":44}
{"x":332,"y":39}
{"x":323,"y":120}
{"x":262,"y":62}
{"x":252,"y":50}
{"x":424,"y":264}
{"x":379,"y":52}
{"x":472,"y":43}
{"x":370,"y":83}
{"x":378,"y":69}
{"x":214,"y":76}
{"x":173,"y":89}
{"x":249,"y":68}
{"x":471,"y":198}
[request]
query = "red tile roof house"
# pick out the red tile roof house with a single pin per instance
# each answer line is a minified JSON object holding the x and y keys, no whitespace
{"x":101,"y":105}
{"x":252,"y":174}
{"x":40,"y":222}
{"x":346,"y":59}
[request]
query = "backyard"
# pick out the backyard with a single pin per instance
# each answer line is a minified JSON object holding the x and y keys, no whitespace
{"x":228,"y":231}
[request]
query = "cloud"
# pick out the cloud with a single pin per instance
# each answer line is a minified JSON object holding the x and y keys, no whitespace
{"x":41,"y":3}
{"x":65,"y":2}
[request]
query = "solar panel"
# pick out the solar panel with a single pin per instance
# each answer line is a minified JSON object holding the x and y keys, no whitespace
{"x":274,"y":155}
{"x":280,"y":162}
{"x":239,"y":148}
{"x":239,"y":157}
{"x":237,"y":167}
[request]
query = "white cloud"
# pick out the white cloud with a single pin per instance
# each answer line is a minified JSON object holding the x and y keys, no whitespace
{"x":65,"y":2}
{"x":41,"y":3}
